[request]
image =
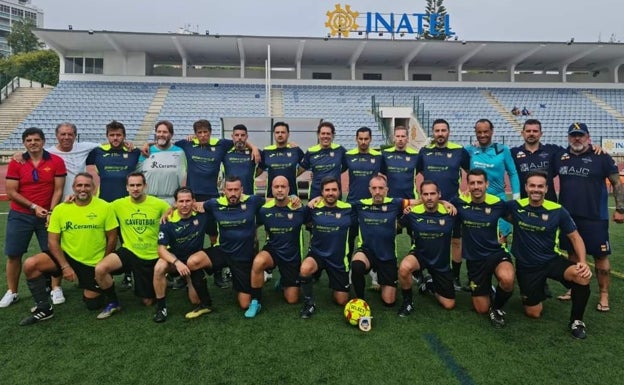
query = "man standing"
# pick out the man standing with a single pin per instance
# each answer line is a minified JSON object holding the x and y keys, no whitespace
{"x":165,"y":168}
{"x":432,"y":227}
{"x":34,"y":187}
{"x":283,"y":227}
{"x":281,"y":159}
{"x":583,"y":193}
{"x":485,"y":257}
{"x":496,"y":160}
{"x":139,"y":217}
{"x":331,"y":223}
{"x":442,"y":162}
{"x":536,"y":223}
{"x":325,"y":159}
{"x":399,"y":166}
{"x":80,"y":234}
{"x":238,"y":160}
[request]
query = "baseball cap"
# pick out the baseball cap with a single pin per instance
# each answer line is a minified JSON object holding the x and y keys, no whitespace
{"x":578,"y":128}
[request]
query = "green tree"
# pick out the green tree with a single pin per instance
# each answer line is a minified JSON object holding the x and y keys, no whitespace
{"x":21,"y":39}
{"x":435,"y":7}
{"x":41,"y":66}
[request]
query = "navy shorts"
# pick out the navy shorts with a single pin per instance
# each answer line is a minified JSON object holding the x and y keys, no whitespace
{"x":241,"y":271}
{"x":387,"y":271}
{"x":532,"y":280}
{"x":289,"y":270}
{"x":595,"y":234}
{"x":442,"y":278}
{"x":338,"y":279}
{"x":480,"y":272}
{"x":19,"y":230}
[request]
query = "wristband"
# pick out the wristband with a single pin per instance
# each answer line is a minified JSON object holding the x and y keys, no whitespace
{"x":174,"y":261}
{"x":33,"y":206}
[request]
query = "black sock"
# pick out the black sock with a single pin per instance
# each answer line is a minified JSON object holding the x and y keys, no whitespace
{"x":307,"y":289}
{"x":111,"y":294}
{"x":580,"y":296}
{"x":201,"y":287}
{"x":256,"y":293}
{"x":456,"y":268}
{"x":501,"y":297}
{"x":161,"y":302}
{"x":358,"y":273}
{"x":407,"y":295}
{"x":39,"y":291}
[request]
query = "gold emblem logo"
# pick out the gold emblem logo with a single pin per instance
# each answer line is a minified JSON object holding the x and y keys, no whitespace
{"x":342,"y":21}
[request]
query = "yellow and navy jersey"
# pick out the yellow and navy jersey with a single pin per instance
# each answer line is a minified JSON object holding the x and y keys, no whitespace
{"x":543,"y":159}
{"x":183,"y":236}
{"x":377,"y":226}
{"x":323,"y":162}
{"x":241,"y":164}
{"x":431,"y":235}
{"x":536,"y":231}
{"x":83,"y":229}
{"x":479,"y":225}
{"x":443,"y":166}
{"x":284,"y":230}
{"x":113,"y":166}
{"x":236,"y":225}
{"x":399,"y":167}
{"x":139,"y":224}
{"x":582,"y":188}
{"x":330,"y":230}
{"x":281,"y":162}
{"x":203,"y":163}
{"x":362,"y":167}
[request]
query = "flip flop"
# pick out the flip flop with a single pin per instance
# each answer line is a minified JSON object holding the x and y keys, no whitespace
{"x":602,"y":308}
{"x":565,"y":297}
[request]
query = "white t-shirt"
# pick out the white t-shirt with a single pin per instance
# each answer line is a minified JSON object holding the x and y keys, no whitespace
{"x":75,"y":161}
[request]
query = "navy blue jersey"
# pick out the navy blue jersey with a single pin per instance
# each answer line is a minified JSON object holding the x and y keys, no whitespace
{"x":281,"y":162}
{"x":582,"y":187}
{"x":479,"y":225}
{"x":240,"y":164}
{"x":377,"y":226}
{"x":236,"y":225}
{"x":283,"y":228}
{"x":362,"y":167}
{"x":541,"y":160}
{"x":431,"y":235}
{"x":203,"y":163}
{"x":113,"y":166}
{"x":400,"y":169}
{"x":443,"y":166}
{"x":330,"y":228}
{"x":183,"y":236}
{"x":536,"y":231}
{"x":323,"y":162}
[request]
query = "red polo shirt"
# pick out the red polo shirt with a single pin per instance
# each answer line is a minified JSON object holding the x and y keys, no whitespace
{"x":36,"y":183}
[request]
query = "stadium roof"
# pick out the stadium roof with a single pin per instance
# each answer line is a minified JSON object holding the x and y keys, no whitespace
{"x":387,"y":51}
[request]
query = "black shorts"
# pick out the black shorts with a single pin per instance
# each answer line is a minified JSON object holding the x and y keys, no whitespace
{"x":338,"y":279}
{"x":595,"y":235}
{"x":531,"y":281}
{"x":480,"y":272}
{"x":241,"y":271}
{"x":84,"y":273}
{"x":442,"y":279}
{"x":387,"y":271}
{"x":142,"y":269}
{"x":289,"y":271}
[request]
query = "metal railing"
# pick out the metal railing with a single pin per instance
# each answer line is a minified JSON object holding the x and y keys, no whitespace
{"x":11,"y":86}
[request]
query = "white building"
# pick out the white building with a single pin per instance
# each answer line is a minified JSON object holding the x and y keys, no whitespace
{"x":16,"y":10}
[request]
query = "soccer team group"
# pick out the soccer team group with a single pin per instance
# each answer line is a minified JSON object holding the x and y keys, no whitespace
{"x":160,"y":202}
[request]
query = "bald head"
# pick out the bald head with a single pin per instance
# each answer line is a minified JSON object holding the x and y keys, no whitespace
{"x":280,"y":189}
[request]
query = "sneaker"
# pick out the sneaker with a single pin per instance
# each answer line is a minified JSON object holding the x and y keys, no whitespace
{"x":417,"y":277}
{"x":198,"y":311}
{"x":364,"y":323}
{"x":9,"y":299}
{"x":497,"y":318}
{"x":406,"y":309}
{"x":307,"y":311}
{"x":220,"y":282}
{"x":578,"y":329}
{"x":36,"y":316}
{"x":126,"y":282}
{"x":457,"y":285}
{"x":178,"y":283}
{"x":109,"y":310}
{"x":57,"y":296}
{"x":268,"y":276}
{"x":161,"y":315}
{"x":426,"y":286}
{"x":254,"y":309}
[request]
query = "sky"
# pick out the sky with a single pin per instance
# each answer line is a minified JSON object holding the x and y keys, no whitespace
{"x":471,"y":20}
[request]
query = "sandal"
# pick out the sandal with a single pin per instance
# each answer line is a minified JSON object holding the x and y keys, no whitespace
{"x":565,"y":297}
{"x":602,"y":308}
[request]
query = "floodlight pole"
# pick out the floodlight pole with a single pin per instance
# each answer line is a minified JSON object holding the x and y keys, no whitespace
{"x":267,"y":66}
